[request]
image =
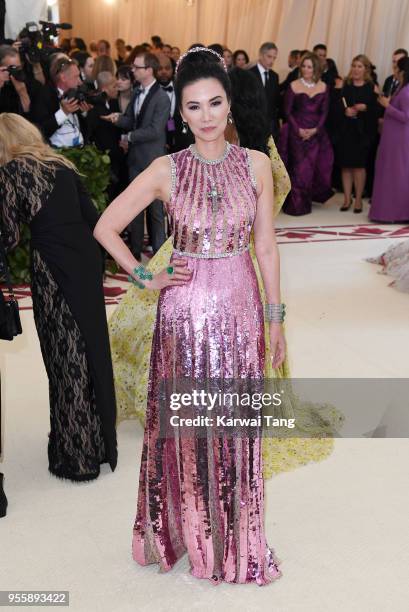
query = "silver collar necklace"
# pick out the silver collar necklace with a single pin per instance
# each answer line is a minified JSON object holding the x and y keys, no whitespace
{"x":212,"y":162}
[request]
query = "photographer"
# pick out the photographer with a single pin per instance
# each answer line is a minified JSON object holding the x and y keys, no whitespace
{"x":16,"y":91}
{"x":31,"y":56}
{"x":58,"y":111}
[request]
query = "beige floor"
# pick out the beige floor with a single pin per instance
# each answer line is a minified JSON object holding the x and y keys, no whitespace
{"x":340,"y":527}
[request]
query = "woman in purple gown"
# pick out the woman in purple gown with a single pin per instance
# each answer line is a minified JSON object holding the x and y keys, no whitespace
{"x":390,"y":198}
{"x":304,"y":144}
{"x":203,"y":493}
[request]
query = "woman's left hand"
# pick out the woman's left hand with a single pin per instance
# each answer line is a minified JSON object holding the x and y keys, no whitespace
{"x":277,"y":344}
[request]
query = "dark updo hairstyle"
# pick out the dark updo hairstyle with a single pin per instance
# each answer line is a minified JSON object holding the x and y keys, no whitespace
{"x":248,"y":107}
{"x":200,"y":65}
{"x":403,"y":66}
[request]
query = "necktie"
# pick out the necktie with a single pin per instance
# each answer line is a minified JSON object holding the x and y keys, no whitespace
{"x":266,"y":75}
{"x":168,"y":88}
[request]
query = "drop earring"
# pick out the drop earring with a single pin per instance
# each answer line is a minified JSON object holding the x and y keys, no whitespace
{"x":230,"y":118}
{"x":184,"y":127}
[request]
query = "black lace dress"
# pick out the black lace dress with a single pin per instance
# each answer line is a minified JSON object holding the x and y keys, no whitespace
{"x":69,"y":311}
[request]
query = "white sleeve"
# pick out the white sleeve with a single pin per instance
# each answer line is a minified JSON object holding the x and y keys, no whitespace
{"x":60,"y":116}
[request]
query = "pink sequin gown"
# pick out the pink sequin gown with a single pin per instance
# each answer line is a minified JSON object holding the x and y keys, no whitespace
{"x":206,"y":496}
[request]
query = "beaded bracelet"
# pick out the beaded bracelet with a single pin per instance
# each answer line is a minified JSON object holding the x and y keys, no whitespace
{"x":142,"y":274}
{"x":274,"y":313}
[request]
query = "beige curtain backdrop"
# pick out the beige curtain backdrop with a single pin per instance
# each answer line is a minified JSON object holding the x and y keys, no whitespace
{"x":348,"y":27}
{"x":18,"y":12}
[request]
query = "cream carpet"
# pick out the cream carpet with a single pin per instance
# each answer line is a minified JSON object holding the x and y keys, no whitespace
{"x":339,"y":527}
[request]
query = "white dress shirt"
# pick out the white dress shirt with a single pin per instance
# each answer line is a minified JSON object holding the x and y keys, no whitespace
{"x":262,"y":71}
{"x":172,"y":98}
{"x":68,"y":133}
{"x":141,"y":98}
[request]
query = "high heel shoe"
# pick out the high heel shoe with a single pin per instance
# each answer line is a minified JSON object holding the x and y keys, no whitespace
{"x":3,"y":498}
{"x":358,"y":210}
{"x":346,"y":207}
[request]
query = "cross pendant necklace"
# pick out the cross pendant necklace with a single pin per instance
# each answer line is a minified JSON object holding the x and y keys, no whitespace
{"x":214,"y":196}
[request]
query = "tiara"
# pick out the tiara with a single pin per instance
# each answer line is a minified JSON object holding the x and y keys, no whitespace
{"x":197,"y":50}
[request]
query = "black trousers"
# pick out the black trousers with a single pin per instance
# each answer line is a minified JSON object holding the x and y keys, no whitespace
{"x":155,"y":222}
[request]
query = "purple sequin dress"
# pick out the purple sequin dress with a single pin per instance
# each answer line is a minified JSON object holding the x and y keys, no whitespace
{"x":205,"y":496}
{"x":308,"y":162}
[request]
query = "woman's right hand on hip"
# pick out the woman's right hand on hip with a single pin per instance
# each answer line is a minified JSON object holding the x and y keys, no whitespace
{"x":176,"y":273}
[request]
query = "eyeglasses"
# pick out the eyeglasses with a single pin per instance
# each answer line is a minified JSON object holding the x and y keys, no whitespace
{"x":134,"y":67}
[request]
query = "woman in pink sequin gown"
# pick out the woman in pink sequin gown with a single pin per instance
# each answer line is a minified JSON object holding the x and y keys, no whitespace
{"x":205,"y":495}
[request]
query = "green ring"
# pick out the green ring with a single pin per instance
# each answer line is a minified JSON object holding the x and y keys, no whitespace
{"x":169,"y":270}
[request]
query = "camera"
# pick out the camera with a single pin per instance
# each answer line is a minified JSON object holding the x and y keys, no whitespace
{"x":83,"y":94}
{"x":31,"y":42}
{"x":36,"y":42}
{"x":16,"y":72}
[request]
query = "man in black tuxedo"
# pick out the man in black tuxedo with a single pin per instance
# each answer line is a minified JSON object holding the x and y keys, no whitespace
{"x":294,"y":58}
{"x":176,"y":140}
{"x":263,"y":70}
{"x":145,"y":122}
{"x":61,"y":118}
{"x":392,"y":82}
{"x":329,"y":68}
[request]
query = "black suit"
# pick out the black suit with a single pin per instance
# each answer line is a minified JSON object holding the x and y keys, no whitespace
{"x":176,"y":140}
{"x":106,"y":136}
{"x":147,"y":142}
{"x":272,"y":93}
{"x":47,"y":103}
{"x":10,"y":100}
{"x":330,"y":74}
{"x":390,"y":86}
{"x":293,"y":75}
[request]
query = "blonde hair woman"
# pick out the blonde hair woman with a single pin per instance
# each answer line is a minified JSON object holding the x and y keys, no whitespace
{"x":42,"y":189}
{"x":355,"y":114}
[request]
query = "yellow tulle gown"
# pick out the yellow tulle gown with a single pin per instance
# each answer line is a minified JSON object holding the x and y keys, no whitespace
{"x":131,"y":330}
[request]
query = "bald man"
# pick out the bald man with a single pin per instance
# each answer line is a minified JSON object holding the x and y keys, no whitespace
{"x":175,"y":139}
